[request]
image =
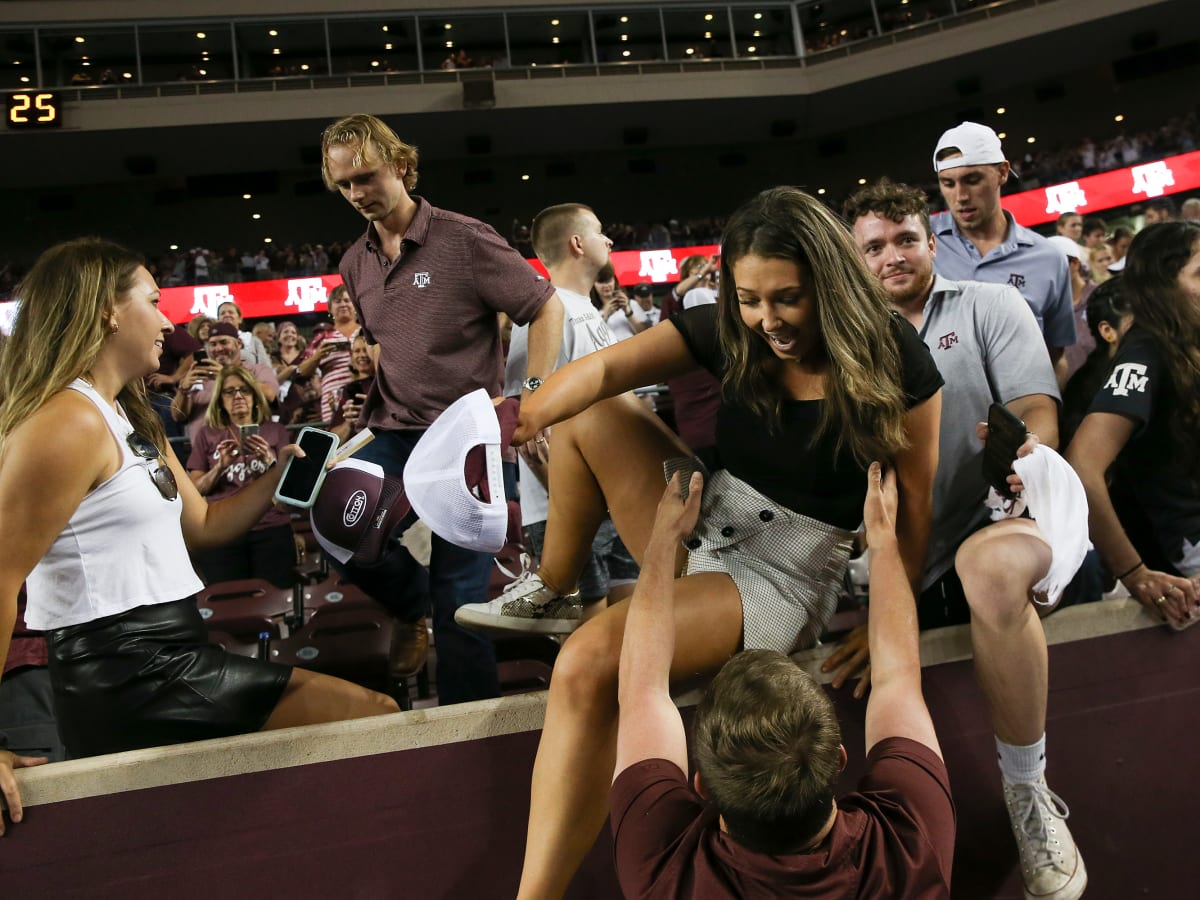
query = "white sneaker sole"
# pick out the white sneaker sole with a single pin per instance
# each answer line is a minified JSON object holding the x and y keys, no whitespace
{"x":1075,"y":892}
{"x":494,"y":623}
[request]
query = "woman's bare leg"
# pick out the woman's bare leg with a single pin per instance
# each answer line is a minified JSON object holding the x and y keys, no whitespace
{"x":311,"y":698}
{"x":607,"y":458}
{"x":575,"y":759}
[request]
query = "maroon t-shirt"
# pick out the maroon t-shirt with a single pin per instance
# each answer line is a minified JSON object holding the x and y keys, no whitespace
{"x":893,"y":838}
{"x":696,"y":395}
{"x":237,"y":476}
{"x":433,"y":312}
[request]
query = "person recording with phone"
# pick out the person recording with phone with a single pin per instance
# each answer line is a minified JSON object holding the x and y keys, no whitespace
{"x":98,"y":515}
{"x":222,"y":348}
{"x":237,"y":444}
{"x":329,"y":350}
{"x":347,"y":416}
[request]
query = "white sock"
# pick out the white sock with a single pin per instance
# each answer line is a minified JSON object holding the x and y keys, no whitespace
{"x":1022,"y":764}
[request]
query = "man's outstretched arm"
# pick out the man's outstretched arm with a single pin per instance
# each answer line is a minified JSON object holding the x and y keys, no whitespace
{"x":650,"y":726}
{"x":896,"y":707}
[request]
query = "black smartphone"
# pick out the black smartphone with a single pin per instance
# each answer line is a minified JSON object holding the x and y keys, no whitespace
{"x":200,"y":355}
{"x":353,"y":391}
{"x":1006,"y":434}
{"x":303,"y":477}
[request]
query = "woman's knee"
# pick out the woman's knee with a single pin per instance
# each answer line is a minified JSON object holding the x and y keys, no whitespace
{"x":586,"y":668}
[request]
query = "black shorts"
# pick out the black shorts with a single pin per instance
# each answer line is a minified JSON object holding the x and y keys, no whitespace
{"x":149,"y":677}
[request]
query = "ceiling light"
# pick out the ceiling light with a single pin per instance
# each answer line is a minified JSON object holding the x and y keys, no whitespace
{"x":266,"y":240}
{"x":449,"y":43}
{"x":758,"y":15}
{"x":708,"y":35}
{"x":624,"y":37}
{"x":374,"y":63}
{"x":173,"y":247}
{"x":708,"y":17}
{"x":201,"y":35}
{"x":202,"y":71}
{"x":554,"y":21}
{"x":624,"y":19}
{"x":126,"y":74}
{"x":387,"y":46}
{"x":85,"y":56}
{"x":751,"y":49}
{"x":246,"y":196}
{"x":275,"y":51}
{"x":256,"y":216}
{"x":304,"y":67}
{"x":1030,"y":139}
{"x":1118,"y":118}
{"x":862,"y":181}
{"x":273,"y":33}
{"x":79,"y":40}
{"x":757,"y":33}
{"x":1002,"y":135}
{"x":1000,"y":110}
{"x":524,"y":177}
{"x":554,"y":40}
{"x":384,"y":28}
{"x":448,"y":26}
{"x":626,"y":52}
{"x":24,"y":79}
{"x":690,"y":50}
{"x":820,"y":190}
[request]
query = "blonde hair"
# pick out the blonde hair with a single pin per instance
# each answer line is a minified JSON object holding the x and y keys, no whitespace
{"x":375,"y":142}
{"x":216,"y":416}
{"x":864,"y":404}
{"x":66,"y":306}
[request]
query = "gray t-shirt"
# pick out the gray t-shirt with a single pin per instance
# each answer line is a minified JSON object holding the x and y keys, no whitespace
{"x":987,"y":345}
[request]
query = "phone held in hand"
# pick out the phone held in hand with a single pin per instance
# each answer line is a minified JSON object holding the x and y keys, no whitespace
{"x":303,"y":477}
{"x":354,"y":391}
{"x":244,"y":431}
{"x":1006,"y":434}
{"x":200,"y":355}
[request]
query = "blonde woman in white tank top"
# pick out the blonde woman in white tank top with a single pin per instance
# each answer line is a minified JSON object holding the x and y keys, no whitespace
{"x":98,"y":514}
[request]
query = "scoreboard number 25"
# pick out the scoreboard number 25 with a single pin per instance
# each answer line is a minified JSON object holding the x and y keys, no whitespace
{"x":33,"y":109}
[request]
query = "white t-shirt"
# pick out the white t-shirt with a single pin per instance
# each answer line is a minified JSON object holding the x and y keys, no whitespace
{"x":583,"y":332}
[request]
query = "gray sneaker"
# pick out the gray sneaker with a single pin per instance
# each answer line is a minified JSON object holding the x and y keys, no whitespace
{"x":527,"y":606}
{"x":1051,"y":865}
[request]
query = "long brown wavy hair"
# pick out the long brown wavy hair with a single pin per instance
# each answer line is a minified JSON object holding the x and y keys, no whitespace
{"x":66,"y":304}
{"x":1159,"y":305}
{"x":864,"y":401}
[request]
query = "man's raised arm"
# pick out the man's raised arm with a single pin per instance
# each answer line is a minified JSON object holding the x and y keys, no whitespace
{"x":650,"y":726}
{"x":896,"y":707}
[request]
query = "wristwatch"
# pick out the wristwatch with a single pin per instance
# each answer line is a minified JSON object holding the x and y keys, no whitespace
{"x":532,"y":383}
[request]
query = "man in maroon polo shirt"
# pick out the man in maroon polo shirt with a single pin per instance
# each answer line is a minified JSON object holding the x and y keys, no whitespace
{"x":768,"y":753}
{"x":428,"y":285}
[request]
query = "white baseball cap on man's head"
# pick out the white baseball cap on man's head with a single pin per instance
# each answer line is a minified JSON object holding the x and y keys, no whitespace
{"x":977,"y":144}
{"x":442,"y":473}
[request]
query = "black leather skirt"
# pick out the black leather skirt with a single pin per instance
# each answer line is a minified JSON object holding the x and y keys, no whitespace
{"x":149,"y":677}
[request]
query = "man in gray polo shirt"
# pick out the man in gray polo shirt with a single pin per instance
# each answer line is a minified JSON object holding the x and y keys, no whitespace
{"x":979,"y":241}
{"x":986,"y":345}
{"x":428,"y":285}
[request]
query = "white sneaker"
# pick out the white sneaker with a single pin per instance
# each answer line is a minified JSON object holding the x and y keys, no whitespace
{"x":1051,"y":866}
{"x":527,"y":605}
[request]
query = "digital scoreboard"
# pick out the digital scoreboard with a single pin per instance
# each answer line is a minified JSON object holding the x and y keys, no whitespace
{"x":33,"y":110}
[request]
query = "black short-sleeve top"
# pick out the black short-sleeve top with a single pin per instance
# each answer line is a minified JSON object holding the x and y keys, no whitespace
{"x":784,"y":464}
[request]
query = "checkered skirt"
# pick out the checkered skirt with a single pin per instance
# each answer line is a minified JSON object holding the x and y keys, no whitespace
{"x":787,"y":567}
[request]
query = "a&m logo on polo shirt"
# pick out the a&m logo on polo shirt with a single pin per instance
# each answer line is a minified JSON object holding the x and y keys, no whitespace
{"x":1017,"y":281}
{"x":946,"y":341}
{"x":421,"y":279}
{"x":1127,"y":377}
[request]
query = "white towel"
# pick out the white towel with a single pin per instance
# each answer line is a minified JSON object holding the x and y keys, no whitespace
{"x":1058,"y":503}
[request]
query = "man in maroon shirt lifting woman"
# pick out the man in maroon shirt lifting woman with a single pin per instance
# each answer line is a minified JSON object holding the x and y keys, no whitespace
{"x":768,"y":753}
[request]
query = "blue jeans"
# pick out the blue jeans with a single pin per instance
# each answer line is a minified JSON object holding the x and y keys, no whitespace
{"x":466,"y":660}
